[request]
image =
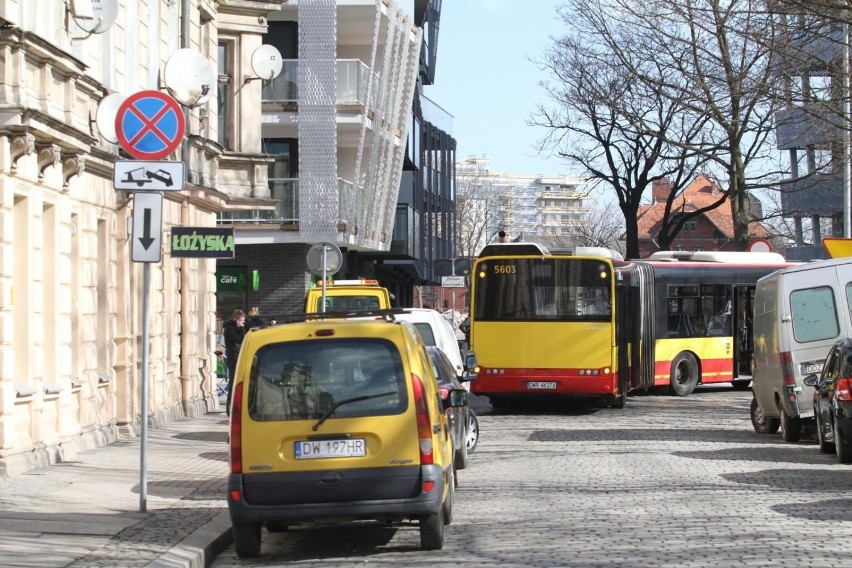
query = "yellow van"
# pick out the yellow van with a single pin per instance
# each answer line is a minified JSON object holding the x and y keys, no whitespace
{"x":348,"y":296}
{"x":340,"y":419}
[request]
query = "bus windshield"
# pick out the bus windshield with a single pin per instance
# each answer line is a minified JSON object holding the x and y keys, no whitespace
{"x":543,"y":289}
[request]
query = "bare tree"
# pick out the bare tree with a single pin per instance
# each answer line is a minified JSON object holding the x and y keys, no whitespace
{"x":618,"y":130}
{"x":481,"y":209}
{"x":602,"y":226}
{"x":709,"y":59}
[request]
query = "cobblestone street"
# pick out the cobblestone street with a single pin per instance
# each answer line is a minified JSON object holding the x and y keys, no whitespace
{"x":667,"y":481}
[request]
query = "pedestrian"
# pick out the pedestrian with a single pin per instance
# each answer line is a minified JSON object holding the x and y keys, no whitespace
{"x":234,"y":331}
{"x":254,"y":319}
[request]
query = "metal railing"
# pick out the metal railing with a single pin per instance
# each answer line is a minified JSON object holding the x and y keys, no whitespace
{"x":352,"y":82}
{"x":286,"y":192}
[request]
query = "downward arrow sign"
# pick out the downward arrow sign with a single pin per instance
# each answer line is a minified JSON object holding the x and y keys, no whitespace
{"x":145,"y":240}
{"x":147,"y":226}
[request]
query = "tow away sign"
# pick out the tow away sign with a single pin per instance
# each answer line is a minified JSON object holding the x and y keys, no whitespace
{"x":136,"y":175}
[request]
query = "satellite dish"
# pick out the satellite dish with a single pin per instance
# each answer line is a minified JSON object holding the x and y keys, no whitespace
{"x":96,"y":17}
{"x":105,"y":116}
{"x":266,"y":62}
{"x":190,"y":77}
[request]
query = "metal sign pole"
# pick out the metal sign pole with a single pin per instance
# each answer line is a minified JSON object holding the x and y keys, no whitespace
{"x":453,"y":293}
{"x":324,"y":275}
{"x":143,"y":451}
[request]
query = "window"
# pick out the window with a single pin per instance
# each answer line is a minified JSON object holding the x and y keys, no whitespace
{"x":699,"y":311}
{"x":305,"y":379}
{"x":814,"y":314}
{"x":225,"y":95}
{"x":689,"y":226}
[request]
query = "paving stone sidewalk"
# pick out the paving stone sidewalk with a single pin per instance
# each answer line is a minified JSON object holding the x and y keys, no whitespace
{"x":86,"y":512}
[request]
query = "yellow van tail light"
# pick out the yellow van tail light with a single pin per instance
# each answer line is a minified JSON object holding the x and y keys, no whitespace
{"x":424,"y":426}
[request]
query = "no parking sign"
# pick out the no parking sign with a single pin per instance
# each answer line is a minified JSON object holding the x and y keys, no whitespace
{"x":149,"y":125}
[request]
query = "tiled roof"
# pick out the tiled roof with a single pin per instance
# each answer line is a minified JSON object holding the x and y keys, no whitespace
{"x":700,"y":193}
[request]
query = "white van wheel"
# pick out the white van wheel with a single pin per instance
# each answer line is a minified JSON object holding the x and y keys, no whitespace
{"x":761,"y":423}
{"x":791,"y":428}
{"x":684,"y":374}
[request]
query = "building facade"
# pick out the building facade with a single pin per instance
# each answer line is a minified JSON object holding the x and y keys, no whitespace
{"x":359,"y":157}
{"x":712,"y":230}
{"x":809,"y":130}
{"x":314,"y":154}
{"x":546,"y":209}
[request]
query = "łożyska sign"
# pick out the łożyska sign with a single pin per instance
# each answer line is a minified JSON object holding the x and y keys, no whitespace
{"x":203,"y":242}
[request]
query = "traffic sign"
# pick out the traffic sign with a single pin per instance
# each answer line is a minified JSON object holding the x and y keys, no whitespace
{"x":149,"y":125}
{"x":452,"y":281}
{"x":328,"y":253}
{"x":147,"y":227}
{"x":136,"y":175}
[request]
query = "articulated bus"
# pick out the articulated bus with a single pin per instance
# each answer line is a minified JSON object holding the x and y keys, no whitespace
{"x":702,"y":306}
{"x":545,"y":323}
{"x":586,"y":323}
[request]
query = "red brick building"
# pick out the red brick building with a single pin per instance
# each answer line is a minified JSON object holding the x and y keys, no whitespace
{"x":713,"y":230}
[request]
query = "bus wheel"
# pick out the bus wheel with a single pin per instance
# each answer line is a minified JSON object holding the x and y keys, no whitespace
{"x":762,"y":424}
{"x":684,"y":374}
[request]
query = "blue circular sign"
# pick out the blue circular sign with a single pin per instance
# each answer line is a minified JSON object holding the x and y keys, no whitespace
{"x":149,"y":125}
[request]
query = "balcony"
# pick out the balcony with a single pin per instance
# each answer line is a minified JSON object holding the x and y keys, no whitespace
{"x":285,"y":191}
{"x":435,"y":115}
{"x":813,"y":124}
{"x":818,"y":194}
{"x":352,"y":81}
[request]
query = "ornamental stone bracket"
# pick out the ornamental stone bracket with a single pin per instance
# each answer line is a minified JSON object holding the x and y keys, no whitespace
{"x":21,"y":145}
{"x":48,"y":155}
{"x":72,"y":165}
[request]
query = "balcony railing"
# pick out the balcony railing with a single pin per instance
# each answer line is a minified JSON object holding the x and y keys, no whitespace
{"x":286,"y":192}
{"x":435,"y":115}
{"x":352,"y":82}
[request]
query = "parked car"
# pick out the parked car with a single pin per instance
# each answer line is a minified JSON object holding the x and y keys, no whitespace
{"x":436,"y":330}
{"x":833,"y":401}
{"x":463,"y":423}
{"x":342,"y":419}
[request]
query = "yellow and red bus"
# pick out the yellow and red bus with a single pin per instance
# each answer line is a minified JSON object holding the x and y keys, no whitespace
{"x":545,"y":324}
{"x":703,"y":306}
{"x":586,"y":323}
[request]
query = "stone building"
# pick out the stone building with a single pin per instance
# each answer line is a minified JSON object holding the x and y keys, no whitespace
{"x":313,"y":154}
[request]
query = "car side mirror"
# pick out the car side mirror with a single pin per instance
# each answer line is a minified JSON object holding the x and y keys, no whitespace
{"x":470,"y":362}
{"x":811,"y":380}
{"x":457,"y":398}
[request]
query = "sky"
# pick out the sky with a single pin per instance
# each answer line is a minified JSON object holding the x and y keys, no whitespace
{"x":484,"y":78}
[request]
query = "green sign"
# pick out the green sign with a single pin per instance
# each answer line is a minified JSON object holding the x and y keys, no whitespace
{"x":203,"y":242}
{"x":231,"y":279}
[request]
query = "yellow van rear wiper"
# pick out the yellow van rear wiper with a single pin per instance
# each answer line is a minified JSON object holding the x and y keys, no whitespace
{"x":331,"y":410}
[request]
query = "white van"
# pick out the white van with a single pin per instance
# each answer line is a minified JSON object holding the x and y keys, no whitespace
{"x":799,"y":312}
{"x":435,"y":330}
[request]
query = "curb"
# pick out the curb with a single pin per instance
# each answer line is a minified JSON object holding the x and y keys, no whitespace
{"x":201,"y":547}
